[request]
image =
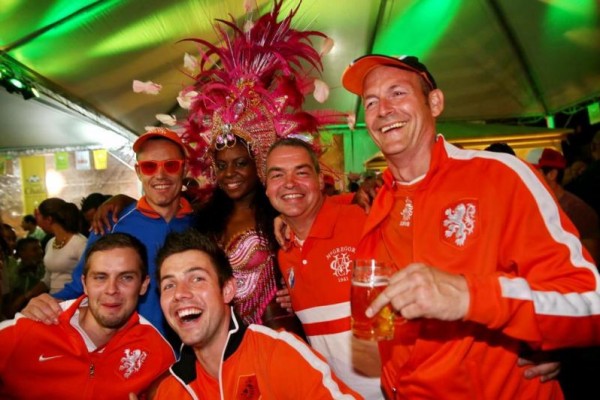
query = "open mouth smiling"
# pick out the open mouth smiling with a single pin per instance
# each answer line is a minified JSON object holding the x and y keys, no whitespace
{"x":189,"y":314}
{"x":233,"y":185}
{"x":292,"y":196}
{"x":395,"y":125}
{"x":162,"y":186}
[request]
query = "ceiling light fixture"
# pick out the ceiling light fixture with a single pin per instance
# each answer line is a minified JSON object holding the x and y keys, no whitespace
{"x":14,"y":82}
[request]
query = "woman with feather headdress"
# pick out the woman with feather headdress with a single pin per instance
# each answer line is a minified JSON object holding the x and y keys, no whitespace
{"x":248,"y":94}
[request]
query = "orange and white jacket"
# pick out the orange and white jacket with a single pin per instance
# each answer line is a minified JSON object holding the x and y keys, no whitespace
{"x":258,"y":363}
{"x":489,"y":217}
{"x":39,"y":361}
{"x":318,"y":275}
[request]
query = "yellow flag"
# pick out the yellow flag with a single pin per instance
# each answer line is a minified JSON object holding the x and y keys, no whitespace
{"x":33,"y":182}
{"x":100,"y":158}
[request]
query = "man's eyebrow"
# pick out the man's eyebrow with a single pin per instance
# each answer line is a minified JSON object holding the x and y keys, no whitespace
{"x":187,"y":271}
{"x":301,"y":166}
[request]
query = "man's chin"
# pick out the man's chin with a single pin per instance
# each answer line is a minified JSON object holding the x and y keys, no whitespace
{"x":113,"y":323}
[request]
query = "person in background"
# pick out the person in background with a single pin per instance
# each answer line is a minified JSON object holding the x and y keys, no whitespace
{"x":65,"y":248}
{"x":353,"y":182}
{"x":44,"y":225}
{"x":10,"y":237}
{"x":221,"y":356}
{"x":88,"y":206}
{"x":4,"y":286}
{"x":573,"y":170}
{"x":585,"y":185}
{"x":483,"y":263}
{"x":552,"y":164}
{"x":329,"y":186}
{"x":25,"y":275}
{"x":29,"y":225}
{"x":500,"y":147}
{"x":9,"y":263}
{"x":161,"y":166}
{"x":101,"y":348}
{"x":579,"y":365}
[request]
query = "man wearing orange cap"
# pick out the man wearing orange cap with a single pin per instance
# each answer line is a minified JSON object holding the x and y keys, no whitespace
{"x":552,"y":164}
{"x":161,"y":167}
{"x":483,"y":262}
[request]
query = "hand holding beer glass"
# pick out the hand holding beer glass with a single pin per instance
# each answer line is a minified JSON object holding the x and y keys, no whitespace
{"x":369,"y":278}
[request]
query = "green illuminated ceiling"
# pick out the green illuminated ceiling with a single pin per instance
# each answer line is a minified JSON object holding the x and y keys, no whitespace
{"x":540,"y":60}
{"x":415,"y":27}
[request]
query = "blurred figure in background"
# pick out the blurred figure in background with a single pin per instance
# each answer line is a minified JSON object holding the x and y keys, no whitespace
{"x":10,"y":236}
{"x":329,"y":188}
{"x":89,"y":205}
{"x":29,"y":225}
{"x":9,"y":261}
{"x":587,"y":185}
{"x":4,"y":288}
{"x":579,"y":365}
{"x":500,"y":147}
{"x":552,"y":164}
{"x":24,"y":276}
{"x":63,"y":251}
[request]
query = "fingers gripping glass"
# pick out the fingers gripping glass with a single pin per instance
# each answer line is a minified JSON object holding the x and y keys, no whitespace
{"x":151,"y":167}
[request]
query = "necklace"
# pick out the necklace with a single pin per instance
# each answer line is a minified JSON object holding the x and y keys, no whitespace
{"x":59,"y":244}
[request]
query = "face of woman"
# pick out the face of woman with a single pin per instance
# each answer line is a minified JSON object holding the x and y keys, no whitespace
{"x":236,"y":172}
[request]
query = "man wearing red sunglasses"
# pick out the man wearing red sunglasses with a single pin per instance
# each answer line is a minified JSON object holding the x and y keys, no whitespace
{"x":161,"y":167}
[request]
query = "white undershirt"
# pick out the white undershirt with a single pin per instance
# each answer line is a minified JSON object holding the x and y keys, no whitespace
{"x":75,"y":324}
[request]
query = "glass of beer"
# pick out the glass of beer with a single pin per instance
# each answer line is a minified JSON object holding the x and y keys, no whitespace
{"x":369,"y":278}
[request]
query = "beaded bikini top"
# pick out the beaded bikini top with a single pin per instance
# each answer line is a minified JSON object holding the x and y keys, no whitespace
{"x":253,"y":268}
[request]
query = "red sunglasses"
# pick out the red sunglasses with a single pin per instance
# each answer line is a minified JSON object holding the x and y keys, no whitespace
{"x":151,"y":167}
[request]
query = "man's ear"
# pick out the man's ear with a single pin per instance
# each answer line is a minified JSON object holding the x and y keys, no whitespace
{"x":137,"y":170}
{"x":144,"y":287}
{"x":229,"y":290}
{"x":83,"y":284}
{"x":436,"y":102}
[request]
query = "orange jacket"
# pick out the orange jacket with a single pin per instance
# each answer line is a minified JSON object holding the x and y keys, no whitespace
{"x":39,"y":361}
{"x":258,"y":363}
{"x":318,"y":275}
{"x":489,"y":217}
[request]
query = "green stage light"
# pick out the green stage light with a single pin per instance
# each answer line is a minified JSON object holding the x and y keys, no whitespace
{"x":16,"y":83}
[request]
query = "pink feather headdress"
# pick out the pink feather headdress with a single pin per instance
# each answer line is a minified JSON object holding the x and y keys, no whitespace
{"x":252,"y":86}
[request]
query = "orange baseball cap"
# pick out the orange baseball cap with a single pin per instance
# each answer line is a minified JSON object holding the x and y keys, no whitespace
{"x":159,"y":133}
{"x":355,"y":73}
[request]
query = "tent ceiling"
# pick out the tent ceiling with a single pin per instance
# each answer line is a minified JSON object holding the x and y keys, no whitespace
{"x":494,"y":59}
